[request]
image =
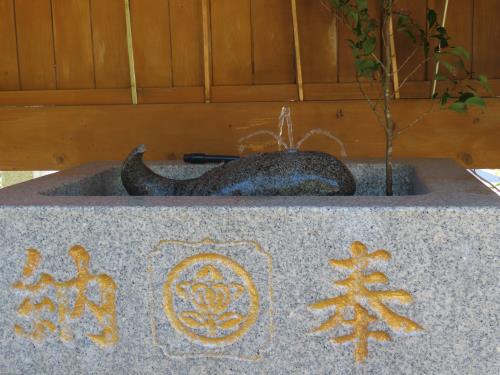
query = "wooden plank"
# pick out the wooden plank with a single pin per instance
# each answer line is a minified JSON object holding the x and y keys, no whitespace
{"x":152,"y":47}
{"x":347,"y":70}
{"x":339,"y":91}
{"x":109,"y":36}
{"x":171,"y":95}
{"x":57,"y":138}
{"x":64,"y":97}
{"x":231,"y":42}
{"x":73,"y":44}
{"x":404,"y":45}
{"x":35,"y":43}
{"x":411,"y":90}
{"x":459,"y":24}
{"x":187,"y":42}
{"x":351,"y":90}
{"x":273,"y":42}
{"x":254,"y":93}
{"x":486,"y":37}
{"x":318,"y":41}
{"x":9,"y":69}
{"x":222,"y":94}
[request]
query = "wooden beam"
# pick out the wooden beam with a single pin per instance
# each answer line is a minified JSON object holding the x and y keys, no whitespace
{"x":220,"y":94}
{"x":254,"y":93}
{"x":162,"y":95}
{"x":65,"y":97}
{"x":63,"y":137}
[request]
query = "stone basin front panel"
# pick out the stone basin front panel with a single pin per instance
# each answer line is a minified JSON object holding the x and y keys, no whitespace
{"x":375,"y":285}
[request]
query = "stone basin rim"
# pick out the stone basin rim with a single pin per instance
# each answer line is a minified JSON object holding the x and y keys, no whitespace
{"x":439,"y":183}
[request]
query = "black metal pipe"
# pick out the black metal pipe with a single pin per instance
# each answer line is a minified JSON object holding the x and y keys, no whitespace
{"x":198,"y":158}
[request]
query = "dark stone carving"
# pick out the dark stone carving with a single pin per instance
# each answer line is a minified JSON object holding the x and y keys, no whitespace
{"x":266,"y":174}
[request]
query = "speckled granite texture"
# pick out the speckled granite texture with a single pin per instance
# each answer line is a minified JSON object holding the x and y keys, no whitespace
{"x":160,"y":300}
{"x":285,"y":173}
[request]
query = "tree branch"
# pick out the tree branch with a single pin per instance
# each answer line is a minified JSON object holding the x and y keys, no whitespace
{"x":408,"y":59}
{"x":417,"y":120}
{"x":373,"y":106}
{"x":413,"y":72}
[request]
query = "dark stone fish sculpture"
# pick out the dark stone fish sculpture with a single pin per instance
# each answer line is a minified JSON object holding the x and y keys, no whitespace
{"x":276,"y":173}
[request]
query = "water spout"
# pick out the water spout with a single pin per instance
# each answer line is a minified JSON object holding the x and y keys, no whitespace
{"x":326,"y":133}
{"x":285,"y":117}
{"x":278,"y":138}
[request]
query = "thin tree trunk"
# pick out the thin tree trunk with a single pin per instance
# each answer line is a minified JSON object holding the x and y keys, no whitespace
{"x":389,"y":125}
{"x":388,"y":165}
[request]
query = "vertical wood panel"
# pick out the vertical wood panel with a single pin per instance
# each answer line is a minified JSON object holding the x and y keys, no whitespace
{"x":73,"y":44}
{"x":231,"y":42}
{"x":109,"y":35}
{"x":152,"y":47}
{"x":458,"y":24}
{"x":404,"y":45}
{"x":347,"y":70}
{"x":318,"y":41}
{"x":35,"y":44}
{"x":273,"y":42}
{"x":486,"y":38}
{"x":9,"y":71}
{"x":187,"y":42}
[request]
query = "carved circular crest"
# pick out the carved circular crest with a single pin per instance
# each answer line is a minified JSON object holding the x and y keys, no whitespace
{"x":211,"y":299}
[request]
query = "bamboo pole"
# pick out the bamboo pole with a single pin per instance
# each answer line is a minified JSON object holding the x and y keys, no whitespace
{"x":434,"y":83}
{"x":298,"y":61}
{"x":206,"y":50}
{"x":130,"y":50}
{"x":395,"y":73}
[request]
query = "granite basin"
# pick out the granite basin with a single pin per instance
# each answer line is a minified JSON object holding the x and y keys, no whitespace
{"x":93,"y":281}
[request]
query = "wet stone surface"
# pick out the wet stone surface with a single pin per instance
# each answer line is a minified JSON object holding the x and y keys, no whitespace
{"x":288,"y":173}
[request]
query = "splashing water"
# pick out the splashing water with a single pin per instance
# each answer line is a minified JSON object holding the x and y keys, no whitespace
{"x":327,"y":134}
{"x":285,"y":117}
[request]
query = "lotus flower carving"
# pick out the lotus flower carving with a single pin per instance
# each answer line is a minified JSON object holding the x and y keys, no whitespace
{"x":211,"y":298}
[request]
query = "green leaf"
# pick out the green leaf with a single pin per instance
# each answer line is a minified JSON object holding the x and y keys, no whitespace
{"x":431,"y":18}
{"x":460,"y":52}
{"x":483,"y":80}
{"x":477,"y":101}
{"x":366,"y":67}
{"x":441,"y":77}
{"x":464,"y":96}
{"x":362,"y":4}
{"x":449,"y":67}
{"x":355,"y":17}
{"x":444,"y":98}
{"x":459,"y":107}
{"x":369,"y":45}
{"x":410,"y":35}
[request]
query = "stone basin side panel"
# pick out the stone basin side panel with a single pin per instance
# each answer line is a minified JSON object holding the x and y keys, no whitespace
{"x":221,"y":290}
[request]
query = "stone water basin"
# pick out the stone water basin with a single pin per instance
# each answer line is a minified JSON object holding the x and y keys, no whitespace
{"x":93,"y":281}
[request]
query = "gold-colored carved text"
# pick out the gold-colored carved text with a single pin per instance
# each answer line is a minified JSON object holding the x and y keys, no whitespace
{"x":56,"y":315}
{"x":358,"y":298}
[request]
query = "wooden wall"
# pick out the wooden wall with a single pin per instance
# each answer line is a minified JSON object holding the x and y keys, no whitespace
{"x":74,"y":52}
{"x":52,"y":46}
